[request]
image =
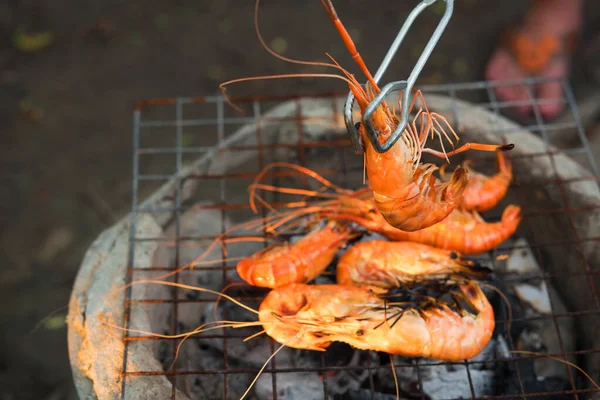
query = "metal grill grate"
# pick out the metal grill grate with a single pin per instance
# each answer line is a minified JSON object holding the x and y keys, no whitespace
{"x":163,"y":145}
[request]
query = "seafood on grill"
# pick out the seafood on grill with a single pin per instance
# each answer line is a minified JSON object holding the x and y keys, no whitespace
{"x":462,"y":231}
{"x":405,"y":191}
{"x":394,"y":264}
{"x":485,"y":192}
{"x":406,"y":323}
{"x":299,"y":262}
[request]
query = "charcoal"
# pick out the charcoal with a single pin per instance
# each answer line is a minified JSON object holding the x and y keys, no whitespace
{"x":538,"y":301}
{"x":290,"y":386}
{"x":445,"y":381}
{"x":365,"y":394}
{"x":311,"y":385}
{"x":531,"y":383}
{"x":207,"y":386}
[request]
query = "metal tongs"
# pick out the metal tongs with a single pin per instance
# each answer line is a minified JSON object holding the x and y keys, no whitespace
{"x":405,"y":85}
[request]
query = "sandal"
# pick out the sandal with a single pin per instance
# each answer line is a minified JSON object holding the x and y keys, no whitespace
{"x":542,"y":45}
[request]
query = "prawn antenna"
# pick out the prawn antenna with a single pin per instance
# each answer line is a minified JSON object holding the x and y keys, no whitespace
{"x":348,"y":42}
{"x":570,"y":364}
{"x":395,"y":377}
{"x":261,"y":370}
{"x":190,"y":287}
{"x":283,"y":58}
{"x":200,"y":329}
{"x":351,"y":82}
{"x":220,"y":240}
{"x":281,"y":76}
{"x":232,"y":284}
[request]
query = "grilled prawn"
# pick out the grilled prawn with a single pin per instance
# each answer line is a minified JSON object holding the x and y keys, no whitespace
{"x":462,"y":231}
{"x":413,"y":325}
{"x":405,"y":191}
{"x":393,"y":264}
{"x":299,"y":262}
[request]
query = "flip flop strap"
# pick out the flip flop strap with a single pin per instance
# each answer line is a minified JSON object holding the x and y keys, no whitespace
{"x":534,"y":54}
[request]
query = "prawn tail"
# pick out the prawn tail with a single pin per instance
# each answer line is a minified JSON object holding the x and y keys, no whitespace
{"x":511,"y":218}
{"x":454,"y":189}
{"x":504,"y":164}
{"x":478,"y":300}
{"x":490,"y":235}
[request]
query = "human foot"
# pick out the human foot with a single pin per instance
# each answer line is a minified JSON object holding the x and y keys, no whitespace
{"x":541,"y":46}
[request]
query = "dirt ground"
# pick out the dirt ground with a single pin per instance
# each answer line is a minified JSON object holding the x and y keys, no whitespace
{"x":66,"y":117}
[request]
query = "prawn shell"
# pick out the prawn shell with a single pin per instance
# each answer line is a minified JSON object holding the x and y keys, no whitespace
{"x":465,"y":232}
{"x":390,"y":264}
{"x":313,"y":316}
{"x":485,"y":192}
{"x":300,"y":262}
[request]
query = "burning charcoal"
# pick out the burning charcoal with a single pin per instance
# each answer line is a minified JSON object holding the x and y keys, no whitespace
{"x":444,"y":381}
{"x":539,"y":299}
{"x":349,"y":379}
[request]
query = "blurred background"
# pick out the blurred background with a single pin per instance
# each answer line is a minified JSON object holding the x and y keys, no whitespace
{"x":71,"y":73}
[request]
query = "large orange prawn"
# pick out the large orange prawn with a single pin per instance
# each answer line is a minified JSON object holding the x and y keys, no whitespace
{"x":462,"y":231}
{"x":300,"y":262}
{"x":409,"y":324}
{"x":405,"y":192}
{"x":394,"y":264}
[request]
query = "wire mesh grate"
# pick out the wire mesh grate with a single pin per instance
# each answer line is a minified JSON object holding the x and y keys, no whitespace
{"x":170,"y":134}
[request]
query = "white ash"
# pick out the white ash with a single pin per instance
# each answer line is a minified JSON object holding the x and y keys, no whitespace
{"x":208,"y":386}
{"x":449,"y":381}
{"x":539,"y":298}
{"x":290,"y":386}
{"x":310,"y":384}
{"x":523,"y":262}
